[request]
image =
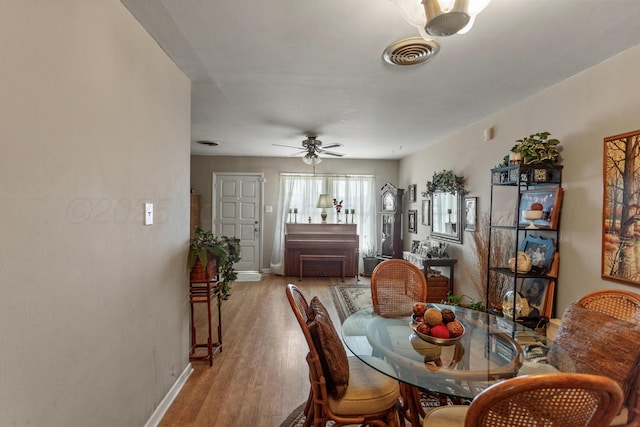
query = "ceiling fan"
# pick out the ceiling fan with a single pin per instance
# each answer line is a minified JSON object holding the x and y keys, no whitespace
{"x":312,"y":148}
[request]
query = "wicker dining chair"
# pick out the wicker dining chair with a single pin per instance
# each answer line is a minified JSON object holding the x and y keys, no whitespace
{"x":396,"y":285}
{"x":343,"y":389}
{"x":625,"y":306}
{"x":564,"y":400}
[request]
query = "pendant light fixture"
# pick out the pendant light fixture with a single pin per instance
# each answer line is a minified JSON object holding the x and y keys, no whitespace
{"x":441,"y":18}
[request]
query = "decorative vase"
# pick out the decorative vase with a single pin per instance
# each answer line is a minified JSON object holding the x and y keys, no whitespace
{"x":338,"y":218}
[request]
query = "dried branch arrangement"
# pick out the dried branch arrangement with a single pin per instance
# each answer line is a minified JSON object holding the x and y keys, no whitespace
{"x":502,"y":242}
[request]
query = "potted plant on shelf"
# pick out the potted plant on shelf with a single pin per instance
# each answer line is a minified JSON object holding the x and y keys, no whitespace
{"x":537,"y":148}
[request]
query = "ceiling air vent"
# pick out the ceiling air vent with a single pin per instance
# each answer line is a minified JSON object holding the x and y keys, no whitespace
{"x":411,"y":51}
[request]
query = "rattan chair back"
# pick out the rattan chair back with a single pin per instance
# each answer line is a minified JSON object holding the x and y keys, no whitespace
{"x":623,"y":305}
{"x":565,"y":400}
{"x":396,"y":285}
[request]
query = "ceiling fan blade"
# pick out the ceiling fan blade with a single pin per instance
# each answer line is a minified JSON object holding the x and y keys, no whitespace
{"x":288,"y":146}
{"x":298,"y":153}
{"x":331,"y":146}
{"x":332,"y":153}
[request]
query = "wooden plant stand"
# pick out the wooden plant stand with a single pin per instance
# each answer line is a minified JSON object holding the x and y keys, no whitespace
{"x":205,"y":292}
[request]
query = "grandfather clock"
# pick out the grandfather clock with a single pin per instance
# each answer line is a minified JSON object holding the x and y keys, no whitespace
{"x":391,"y":221}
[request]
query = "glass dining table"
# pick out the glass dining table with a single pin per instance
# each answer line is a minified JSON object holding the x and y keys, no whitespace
{"x":486,"y":353}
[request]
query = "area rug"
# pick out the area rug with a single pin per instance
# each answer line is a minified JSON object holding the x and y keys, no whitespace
{"x":350,"y":298}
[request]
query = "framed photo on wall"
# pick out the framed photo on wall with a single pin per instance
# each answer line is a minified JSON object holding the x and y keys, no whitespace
{"x":471,"y":213}
{"x":426,"y":212}
{"x":413,"y":221}
{"x":551,"y":201}
{"x":412,"y":192}
{"x":620,"y":245}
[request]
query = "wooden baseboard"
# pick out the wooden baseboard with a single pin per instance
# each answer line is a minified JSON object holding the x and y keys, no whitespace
{"x":168,"y":399}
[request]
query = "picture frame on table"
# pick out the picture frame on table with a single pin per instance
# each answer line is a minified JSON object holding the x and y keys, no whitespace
{"x":540,"y":251}
{"x":413,"y":221}
{"x":619,"y":210}
{"x":551,"y":201}
{"x":426,"y":212}
{"x":413,"y":188}
{"x":471,"y":213}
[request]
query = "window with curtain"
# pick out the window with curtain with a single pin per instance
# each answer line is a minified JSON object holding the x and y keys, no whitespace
{"x":299,"y":192}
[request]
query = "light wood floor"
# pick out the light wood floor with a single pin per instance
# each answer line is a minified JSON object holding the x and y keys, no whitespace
{"x":261,"y":375}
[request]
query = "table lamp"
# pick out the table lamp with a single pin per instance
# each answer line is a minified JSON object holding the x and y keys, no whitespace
{"x":324,"y":202}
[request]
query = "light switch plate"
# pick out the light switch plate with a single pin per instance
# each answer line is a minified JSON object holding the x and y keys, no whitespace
{"x":148,"y":213}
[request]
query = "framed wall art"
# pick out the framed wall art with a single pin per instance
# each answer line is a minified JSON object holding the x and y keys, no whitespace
{"x":471,"y":213}
{"x":413,"y":221}
{"x":426,"y":212}
{"x":551,"y":201}
{"x":412,"y":192}
{"x":620,"y":208}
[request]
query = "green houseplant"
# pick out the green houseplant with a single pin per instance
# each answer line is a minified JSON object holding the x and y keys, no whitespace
{"x":204,"y":247}
{"x":538,"y":148}
{"x":445,"y":181}
{"x":228,"y":273}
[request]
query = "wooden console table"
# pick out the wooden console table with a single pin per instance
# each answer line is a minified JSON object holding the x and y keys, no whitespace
{"x":441,"y":262}
{"x":322,"y":249}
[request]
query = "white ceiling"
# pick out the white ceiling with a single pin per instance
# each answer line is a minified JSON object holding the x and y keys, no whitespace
{"x":270,"y":71}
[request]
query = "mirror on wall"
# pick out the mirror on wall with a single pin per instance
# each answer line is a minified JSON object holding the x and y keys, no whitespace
{"x":446,"y":216}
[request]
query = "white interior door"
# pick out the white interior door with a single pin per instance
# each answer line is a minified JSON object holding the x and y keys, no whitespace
{"x":238,"y":213}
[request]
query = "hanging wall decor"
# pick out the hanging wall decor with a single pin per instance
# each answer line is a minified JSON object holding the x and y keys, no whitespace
{"x":620,"y":208}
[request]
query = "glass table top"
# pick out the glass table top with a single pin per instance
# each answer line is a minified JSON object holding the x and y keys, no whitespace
{"x":486,"y":353}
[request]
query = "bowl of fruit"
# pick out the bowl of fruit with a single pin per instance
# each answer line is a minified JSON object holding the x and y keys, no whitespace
{"x":434,"y":325}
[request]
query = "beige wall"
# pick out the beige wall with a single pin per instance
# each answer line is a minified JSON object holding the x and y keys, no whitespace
{"x":202,"y":168}
{"x":581,"y":111}
{"x":94,"y":121}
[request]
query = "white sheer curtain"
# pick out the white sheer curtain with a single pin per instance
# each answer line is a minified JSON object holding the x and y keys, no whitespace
{"x":300,"y":192}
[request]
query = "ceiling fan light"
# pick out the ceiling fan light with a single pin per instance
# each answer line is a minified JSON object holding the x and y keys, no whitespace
{"x":310,"y":158}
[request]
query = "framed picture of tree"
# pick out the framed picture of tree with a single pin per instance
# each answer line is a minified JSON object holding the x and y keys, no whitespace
{"x":621,"y":208}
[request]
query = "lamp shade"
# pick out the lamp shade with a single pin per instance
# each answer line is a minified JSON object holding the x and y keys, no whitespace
{"x":324,"y":201}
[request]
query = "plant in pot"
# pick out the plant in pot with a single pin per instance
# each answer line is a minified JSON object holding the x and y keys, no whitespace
{"x":369,"y":260}
{"x":205,"y":250}
{"x":537,"y":148}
